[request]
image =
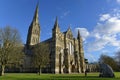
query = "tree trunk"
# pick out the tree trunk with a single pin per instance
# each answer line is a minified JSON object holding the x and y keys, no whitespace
{"x":39,"y":70}
{"x":2,"y":71}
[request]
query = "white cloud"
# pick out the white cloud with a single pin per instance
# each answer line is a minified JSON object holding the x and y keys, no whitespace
{"x":118,"y":49}
{"x":65,"y":14}
{"x":118,"y":1}
{"x":105,"y":33}
{"x":96,"y":45}
{"x":104,"y":17}
{"x":90,"y":57}
{"x":110,"y":26}
{"x":83,"y":31}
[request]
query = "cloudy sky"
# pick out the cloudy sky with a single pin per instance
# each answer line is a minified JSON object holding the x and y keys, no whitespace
{"x":97,"y":20}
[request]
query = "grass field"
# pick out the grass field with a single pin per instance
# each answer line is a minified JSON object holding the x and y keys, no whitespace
{"x":31,"y":76}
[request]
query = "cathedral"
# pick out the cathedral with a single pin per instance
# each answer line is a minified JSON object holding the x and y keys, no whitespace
{"x":66,"y":52}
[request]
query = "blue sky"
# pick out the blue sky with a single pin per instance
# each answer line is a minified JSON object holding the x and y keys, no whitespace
{"x":98,"y":21}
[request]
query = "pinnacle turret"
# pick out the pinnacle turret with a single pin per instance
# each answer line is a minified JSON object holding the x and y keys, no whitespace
{"x":56,"y":23}
{"x":69,"y":28}
{"x":79,"y":36}
{"x":35,"y":18}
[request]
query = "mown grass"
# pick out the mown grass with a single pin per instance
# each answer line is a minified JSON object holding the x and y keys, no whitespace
{"x":32,"y":76}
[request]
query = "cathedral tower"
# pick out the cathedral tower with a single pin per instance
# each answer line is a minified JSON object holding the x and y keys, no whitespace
{"x":81,"y":52}
{"x":55,"y":58}
{"x":55,"y":28}
{"x":33,"y":36}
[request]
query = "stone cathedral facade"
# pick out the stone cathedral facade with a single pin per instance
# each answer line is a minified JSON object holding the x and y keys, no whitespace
{"x":66,"y":52}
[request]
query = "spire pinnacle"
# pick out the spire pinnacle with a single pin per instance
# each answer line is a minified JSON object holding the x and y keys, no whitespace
{"x":78,"y":34}
{"x":56,"y":23}
{"x":35,"y":18}
{"x":69,"y":27}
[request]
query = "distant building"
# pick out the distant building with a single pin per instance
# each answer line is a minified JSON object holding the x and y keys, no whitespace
{"x":92,"y":67}
{"x":66,"y":52}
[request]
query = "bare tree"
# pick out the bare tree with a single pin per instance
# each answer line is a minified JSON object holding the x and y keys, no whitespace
{"x":10,"y":47}
{"x":41,"y":56}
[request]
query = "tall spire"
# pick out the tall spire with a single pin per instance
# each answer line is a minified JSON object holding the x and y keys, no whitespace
{"x":78,"y":35}
{"x":35,"y":18}
{"x":81,"y":52}
{"x":33,"y":36}
{"x":56,"y":23}
{"x":69,"y":27}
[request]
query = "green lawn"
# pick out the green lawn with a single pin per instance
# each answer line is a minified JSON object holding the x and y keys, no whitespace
{"x":31,"y":76}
